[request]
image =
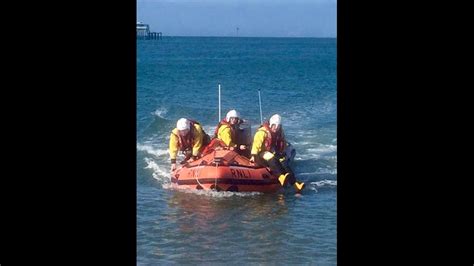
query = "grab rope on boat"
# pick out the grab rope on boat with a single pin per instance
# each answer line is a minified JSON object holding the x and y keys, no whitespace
{"x":215,"y":178}
{"x":197,"y":174}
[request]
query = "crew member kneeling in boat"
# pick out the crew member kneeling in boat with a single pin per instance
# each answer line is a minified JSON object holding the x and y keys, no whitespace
{"x":189,"y":138}
{"x":228,"y":129}
{"x":227,"y":133}
{"x":268,"y":149}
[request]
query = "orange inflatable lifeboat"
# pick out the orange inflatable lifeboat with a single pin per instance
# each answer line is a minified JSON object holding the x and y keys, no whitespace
{"x":225,"y":170}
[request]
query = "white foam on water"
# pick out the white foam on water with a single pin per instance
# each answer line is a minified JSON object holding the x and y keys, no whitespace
{"x":302,"y":143}
{"x":210,"y":193}
{"x":305,"y":174}
{"x":316,"y":156}
{"x":323,"y":148}
{"x":152,"y":150}
{"x":302,"y":134}
{"x":328,"y":171}
{"x":308,"y":156}
{"x":323,"y":151}
{"x":319,"y":172}
{"x":160,"y":112}
{"x":325,"y":182}
{"x":159,"y":173}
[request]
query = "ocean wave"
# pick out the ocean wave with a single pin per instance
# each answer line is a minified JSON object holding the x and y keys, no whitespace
{"x":152,"y":150}
{"x":315,"y":156}
{"x":161,"y":112}
{"x":324,"y":183}
{"x":210,"y":193}
{"x":321,"y":171}
{"x":161,"y":174}
{"x":323,"y":149}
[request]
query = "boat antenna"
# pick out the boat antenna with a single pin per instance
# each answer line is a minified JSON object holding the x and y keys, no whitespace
{"x":260,"y":104}
{"x":219,"y":102}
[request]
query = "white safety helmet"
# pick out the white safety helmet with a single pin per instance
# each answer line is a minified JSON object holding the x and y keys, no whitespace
{"x":182,"y":124}
{"x":231,"y":113}
{"x":275,"y":120}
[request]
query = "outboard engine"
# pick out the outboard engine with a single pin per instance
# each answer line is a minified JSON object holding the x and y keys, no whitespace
{"x":245,"y":134}
{"x":244,"y":137}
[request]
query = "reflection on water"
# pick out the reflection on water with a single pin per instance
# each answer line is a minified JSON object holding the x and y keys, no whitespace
{"x":213,"y":227}
{"x":211,"y":215}
{"x":193,"y":225}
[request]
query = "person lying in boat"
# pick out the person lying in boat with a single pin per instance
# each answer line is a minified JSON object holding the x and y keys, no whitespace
{"x":189,"y":138}
{"x":268,"y":149}
{"x":227,"y":133}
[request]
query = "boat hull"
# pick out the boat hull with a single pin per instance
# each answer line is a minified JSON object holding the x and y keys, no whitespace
{"x":225,"y":170}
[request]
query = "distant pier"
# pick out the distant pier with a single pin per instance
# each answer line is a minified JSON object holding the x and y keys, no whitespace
{"x":144,"y":33}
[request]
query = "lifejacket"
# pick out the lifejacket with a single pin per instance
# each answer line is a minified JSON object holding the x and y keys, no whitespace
{"x":233,"y":134}
{"x":274,"y":141}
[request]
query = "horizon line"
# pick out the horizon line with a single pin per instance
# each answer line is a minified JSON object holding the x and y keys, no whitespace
{"x":220,"y":36}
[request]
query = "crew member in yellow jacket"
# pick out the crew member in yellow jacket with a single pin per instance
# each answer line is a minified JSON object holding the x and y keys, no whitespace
{"x":189,"y":138}
{"x":228,"y":131}
{"x":268,"y":149}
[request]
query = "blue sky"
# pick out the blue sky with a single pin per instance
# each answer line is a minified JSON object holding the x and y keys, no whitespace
{"x":254,"y":18}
